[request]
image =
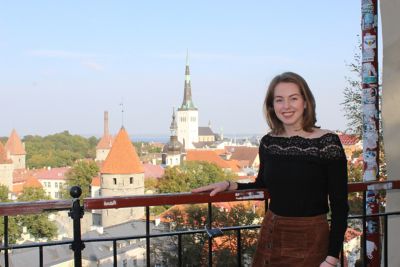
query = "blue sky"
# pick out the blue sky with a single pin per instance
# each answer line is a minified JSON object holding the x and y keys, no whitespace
{"x":63,"y":63}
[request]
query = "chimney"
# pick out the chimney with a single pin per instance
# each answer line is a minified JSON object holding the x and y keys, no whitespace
{"x":106,"y":132}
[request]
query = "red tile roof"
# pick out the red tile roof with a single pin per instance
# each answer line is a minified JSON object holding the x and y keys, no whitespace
{"x":30,"y":182}
{"x":350,"y":234}
{"x":105,"y":142}
{"x":42,"y":174}
{"x":3,"y":155}
{"x":14,"y":144}
{"x":122,"y":158}
{"x":243,"y":153}
{"x":21,"y":175}
{"x":211,"y":157}
{"x":168,"y":215}
{"x":52,"y":173}
{"x":96,"y":181}
{"x":153,"y":171}
{"x":348,"y":139}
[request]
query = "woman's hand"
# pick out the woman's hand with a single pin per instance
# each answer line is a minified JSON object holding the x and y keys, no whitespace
{"x":329,"y":262}
{"x":216,"y":187}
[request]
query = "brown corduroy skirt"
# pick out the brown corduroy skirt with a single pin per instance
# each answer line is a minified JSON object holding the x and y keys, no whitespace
{"x":292,"y":241}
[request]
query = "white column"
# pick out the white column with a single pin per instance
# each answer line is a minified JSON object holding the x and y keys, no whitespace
{"x":390,"y":11}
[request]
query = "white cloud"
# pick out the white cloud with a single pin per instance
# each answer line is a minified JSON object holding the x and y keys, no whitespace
{"x":86,"y":60}
{"x":58,"y":54}
{"x":92,"y":65}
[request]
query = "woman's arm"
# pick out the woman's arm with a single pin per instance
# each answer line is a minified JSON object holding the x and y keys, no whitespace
{"x":228,"y":185}
{"x":217,"y":187}
{"x":337,"y":191}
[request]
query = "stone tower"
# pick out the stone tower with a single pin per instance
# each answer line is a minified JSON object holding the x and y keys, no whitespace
{"x":188,"y":115}
{"x":16,"y":150}
{"x":6,"y":168}
{"x":173,"y":152}
{"x":122,"y":174}
{"x":105,"y":143}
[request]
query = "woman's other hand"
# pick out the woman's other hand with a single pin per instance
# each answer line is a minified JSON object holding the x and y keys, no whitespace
{"x":216,"y":187}
{"x":329,"y":262}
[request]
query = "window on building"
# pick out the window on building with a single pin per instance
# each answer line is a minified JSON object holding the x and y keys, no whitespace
{"x":96,"y":218}
{"x":125,"y":263}
{"x":134,"y":261}
{"x":115,"y":180}
{"x":56,"y":194}
{"x":55,"y":184}
{"x":131,"y":180}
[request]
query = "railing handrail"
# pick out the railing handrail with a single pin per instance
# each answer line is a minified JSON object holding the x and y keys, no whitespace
{"x":373,"y":185}
{"x":36,"y":207}
{"x":172,"y":199}
{"x":33,"y":207}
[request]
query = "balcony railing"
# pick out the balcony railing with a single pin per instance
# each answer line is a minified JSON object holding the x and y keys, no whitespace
{"x":76,"y":212}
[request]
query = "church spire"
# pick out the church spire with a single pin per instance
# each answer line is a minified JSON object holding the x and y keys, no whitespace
{"x":187,"y":103}
{"x":174,"y":126}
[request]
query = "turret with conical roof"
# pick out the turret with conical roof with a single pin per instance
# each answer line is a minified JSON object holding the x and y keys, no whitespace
{"x":3,"y":155}
{"x":173,"y":152}
{"x":188,"y":114}
{"x":122,"y":158}
{"x":6,"y":168}
{"x":16,"y":149}
{"x":122,"y":174}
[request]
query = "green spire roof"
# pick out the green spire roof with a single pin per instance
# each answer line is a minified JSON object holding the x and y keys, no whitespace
{"x":187,"y":103}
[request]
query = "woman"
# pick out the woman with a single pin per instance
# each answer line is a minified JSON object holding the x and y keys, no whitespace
{"x":302,"y":166}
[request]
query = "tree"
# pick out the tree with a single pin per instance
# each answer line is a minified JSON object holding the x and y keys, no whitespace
{"x":151,"y":184}
{"x":3,"y":193}
{"x":352,"y":104}
{"x":81,"y":174}
{"x":57,"y":150}
{"x":195,"y":246}
{"x":38,"y":225}
{"x":14,"y":231}
{"x":190,"y":175}
{"x":143,"y":148}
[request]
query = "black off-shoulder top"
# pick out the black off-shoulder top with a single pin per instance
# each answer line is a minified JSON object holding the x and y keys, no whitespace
{"x":301,"y":174}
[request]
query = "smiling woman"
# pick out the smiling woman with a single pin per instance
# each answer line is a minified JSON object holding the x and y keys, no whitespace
{"x":301,"y":166}
{"x":286,"y":103}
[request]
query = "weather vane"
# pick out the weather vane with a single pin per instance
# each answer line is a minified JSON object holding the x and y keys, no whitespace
{"x":122,"y":112}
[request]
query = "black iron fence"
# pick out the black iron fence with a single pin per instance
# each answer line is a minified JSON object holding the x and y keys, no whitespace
{"x":76,"y":212}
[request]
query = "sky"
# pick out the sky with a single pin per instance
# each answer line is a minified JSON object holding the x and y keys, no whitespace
{"x":63,"y":63}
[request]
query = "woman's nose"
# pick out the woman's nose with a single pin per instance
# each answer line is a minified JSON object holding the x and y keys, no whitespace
{"x":286,"y":104}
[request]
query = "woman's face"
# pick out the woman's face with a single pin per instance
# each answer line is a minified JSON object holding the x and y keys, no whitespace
{"x":289,"y":105}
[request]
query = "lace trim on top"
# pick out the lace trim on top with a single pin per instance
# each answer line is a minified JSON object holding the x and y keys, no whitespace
{"x":328,"y":146}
